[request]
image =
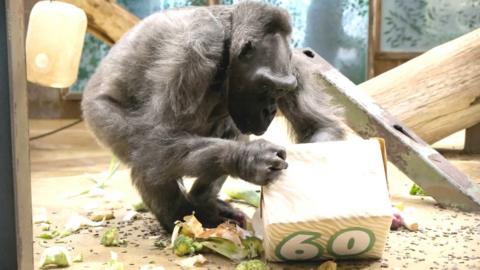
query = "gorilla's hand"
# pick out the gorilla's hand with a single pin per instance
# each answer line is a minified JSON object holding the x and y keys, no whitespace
{"x":260,"y":162}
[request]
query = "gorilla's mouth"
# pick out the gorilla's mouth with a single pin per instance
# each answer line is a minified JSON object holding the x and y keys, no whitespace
{"x":254,"y":132}
{"x":248,"y":128}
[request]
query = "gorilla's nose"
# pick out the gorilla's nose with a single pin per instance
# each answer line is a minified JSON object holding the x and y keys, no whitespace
{"x":278,"y":81}
{"x":286,"y":83}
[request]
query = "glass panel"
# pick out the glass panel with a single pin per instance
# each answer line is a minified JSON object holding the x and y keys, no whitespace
{"x":94,"y":50}
{"x":418,"y":25}
{"x":336,"y":29}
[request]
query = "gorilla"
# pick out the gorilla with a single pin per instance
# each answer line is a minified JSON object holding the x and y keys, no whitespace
{"x":174,"y":95}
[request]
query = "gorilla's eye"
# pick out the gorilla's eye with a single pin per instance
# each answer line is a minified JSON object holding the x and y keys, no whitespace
{"x":247,"y":50}
{"x":265,"y":87}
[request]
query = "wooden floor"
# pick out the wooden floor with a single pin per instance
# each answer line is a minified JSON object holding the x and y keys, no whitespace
{"x":63,"y":163}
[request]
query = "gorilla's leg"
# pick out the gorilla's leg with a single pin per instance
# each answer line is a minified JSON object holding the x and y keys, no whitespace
{"x":163,"y":197}
{"x":204,"y":194}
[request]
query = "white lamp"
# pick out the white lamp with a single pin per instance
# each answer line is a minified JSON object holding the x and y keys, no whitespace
{"x":54,"y":42}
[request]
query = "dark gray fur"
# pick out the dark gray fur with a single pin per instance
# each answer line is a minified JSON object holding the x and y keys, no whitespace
{"x":159,"y":101}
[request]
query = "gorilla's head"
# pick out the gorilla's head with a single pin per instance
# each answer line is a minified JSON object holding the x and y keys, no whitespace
{"x":260,"y":70}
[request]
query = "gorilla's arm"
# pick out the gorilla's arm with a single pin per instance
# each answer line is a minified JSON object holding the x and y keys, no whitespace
{"x":308,"y":109}
{"x":310,"y":121}
{"x":210,"y":158}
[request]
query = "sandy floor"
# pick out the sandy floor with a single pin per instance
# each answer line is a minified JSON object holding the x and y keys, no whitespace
{"x":63,"y":163}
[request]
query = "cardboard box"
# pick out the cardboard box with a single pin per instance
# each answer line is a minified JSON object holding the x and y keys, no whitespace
{"x":331,"y":202}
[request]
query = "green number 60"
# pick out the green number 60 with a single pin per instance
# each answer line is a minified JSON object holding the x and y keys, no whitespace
{"x":299,"y":246}
{"x":345,"y":243}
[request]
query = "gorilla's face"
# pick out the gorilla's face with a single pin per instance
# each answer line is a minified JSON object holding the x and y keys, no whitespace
{"x":259,"y":75}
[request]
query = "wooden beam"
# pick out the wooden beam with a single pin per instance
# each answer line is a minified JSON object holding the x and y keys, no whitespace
{"x":436,"y":93}
{"x":107,"y":20}
{"x":407,"y":151}
{"x":213,"y":2}
{"x":16,"y":239}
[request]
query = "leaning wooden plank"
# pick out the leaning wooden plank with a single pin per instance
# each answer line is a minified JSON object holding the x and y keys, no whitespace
{"x":107,"y":20}
{"x":436,"y":93}
{"x":405,"y":149}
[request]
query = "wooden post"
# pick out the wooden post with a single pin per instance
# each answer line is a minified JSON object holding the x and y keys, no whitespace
{"x":373,"y":35}
{"x":405,"y":149}
{"x":107,"y":20}
{"x":16,"y":242}
{"x":472,"y":140}
{"x":436,"y":93}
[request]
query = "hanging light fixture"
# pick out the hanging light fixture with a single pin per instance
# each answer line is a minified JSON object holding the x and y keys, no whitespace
{"x":54,"y":42}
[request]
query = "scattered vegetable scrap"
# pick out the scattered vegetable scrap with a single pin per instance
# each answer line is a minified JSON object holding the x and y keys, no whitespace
{"x":227,"y":239}
{"x":40,"y":216}
{"x":77,"y":222}
{"x":399,"y":205}
{"x":409,"y":221}
{"x":396,"y":221}
{"x":98,"y":190}
{"x":130,"y":215}
{"x":140,"y":207}
{"x":78,"y":258}
{"x":100,"y":215}
{"x":114,"y":264}
{"x":151,"y":267}
{"x":251,"y":197}
{"x":45,"y":226}
{"x":49,"y":235}
{"x":328,"y":265}
{"x":191,"y":262}
{"x":416,"y":190}
{"x":404,"y":218}
{"x":74,"y":223}
{"x":111,"y":238}
{"x":252,"y":265}
{"x":55,"y":257}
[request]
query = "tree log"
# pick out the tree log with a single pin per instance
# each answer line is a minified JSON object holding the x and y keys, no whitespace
{"x":107,"y":20}
{"x":436,"y":93}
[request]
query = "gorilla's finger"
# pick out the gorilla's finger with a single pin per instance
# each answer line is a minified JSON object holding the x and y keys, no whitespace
{"x":278,"y":164}
{"x":282,"y":154}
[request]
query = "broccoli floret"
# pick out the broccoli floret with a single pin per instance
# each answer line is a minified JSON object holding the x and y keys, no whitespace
{"x":185,"y":245}
{"x":252,"y":265}
{"x":111,"y":238}
{"x":253,"y":246}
